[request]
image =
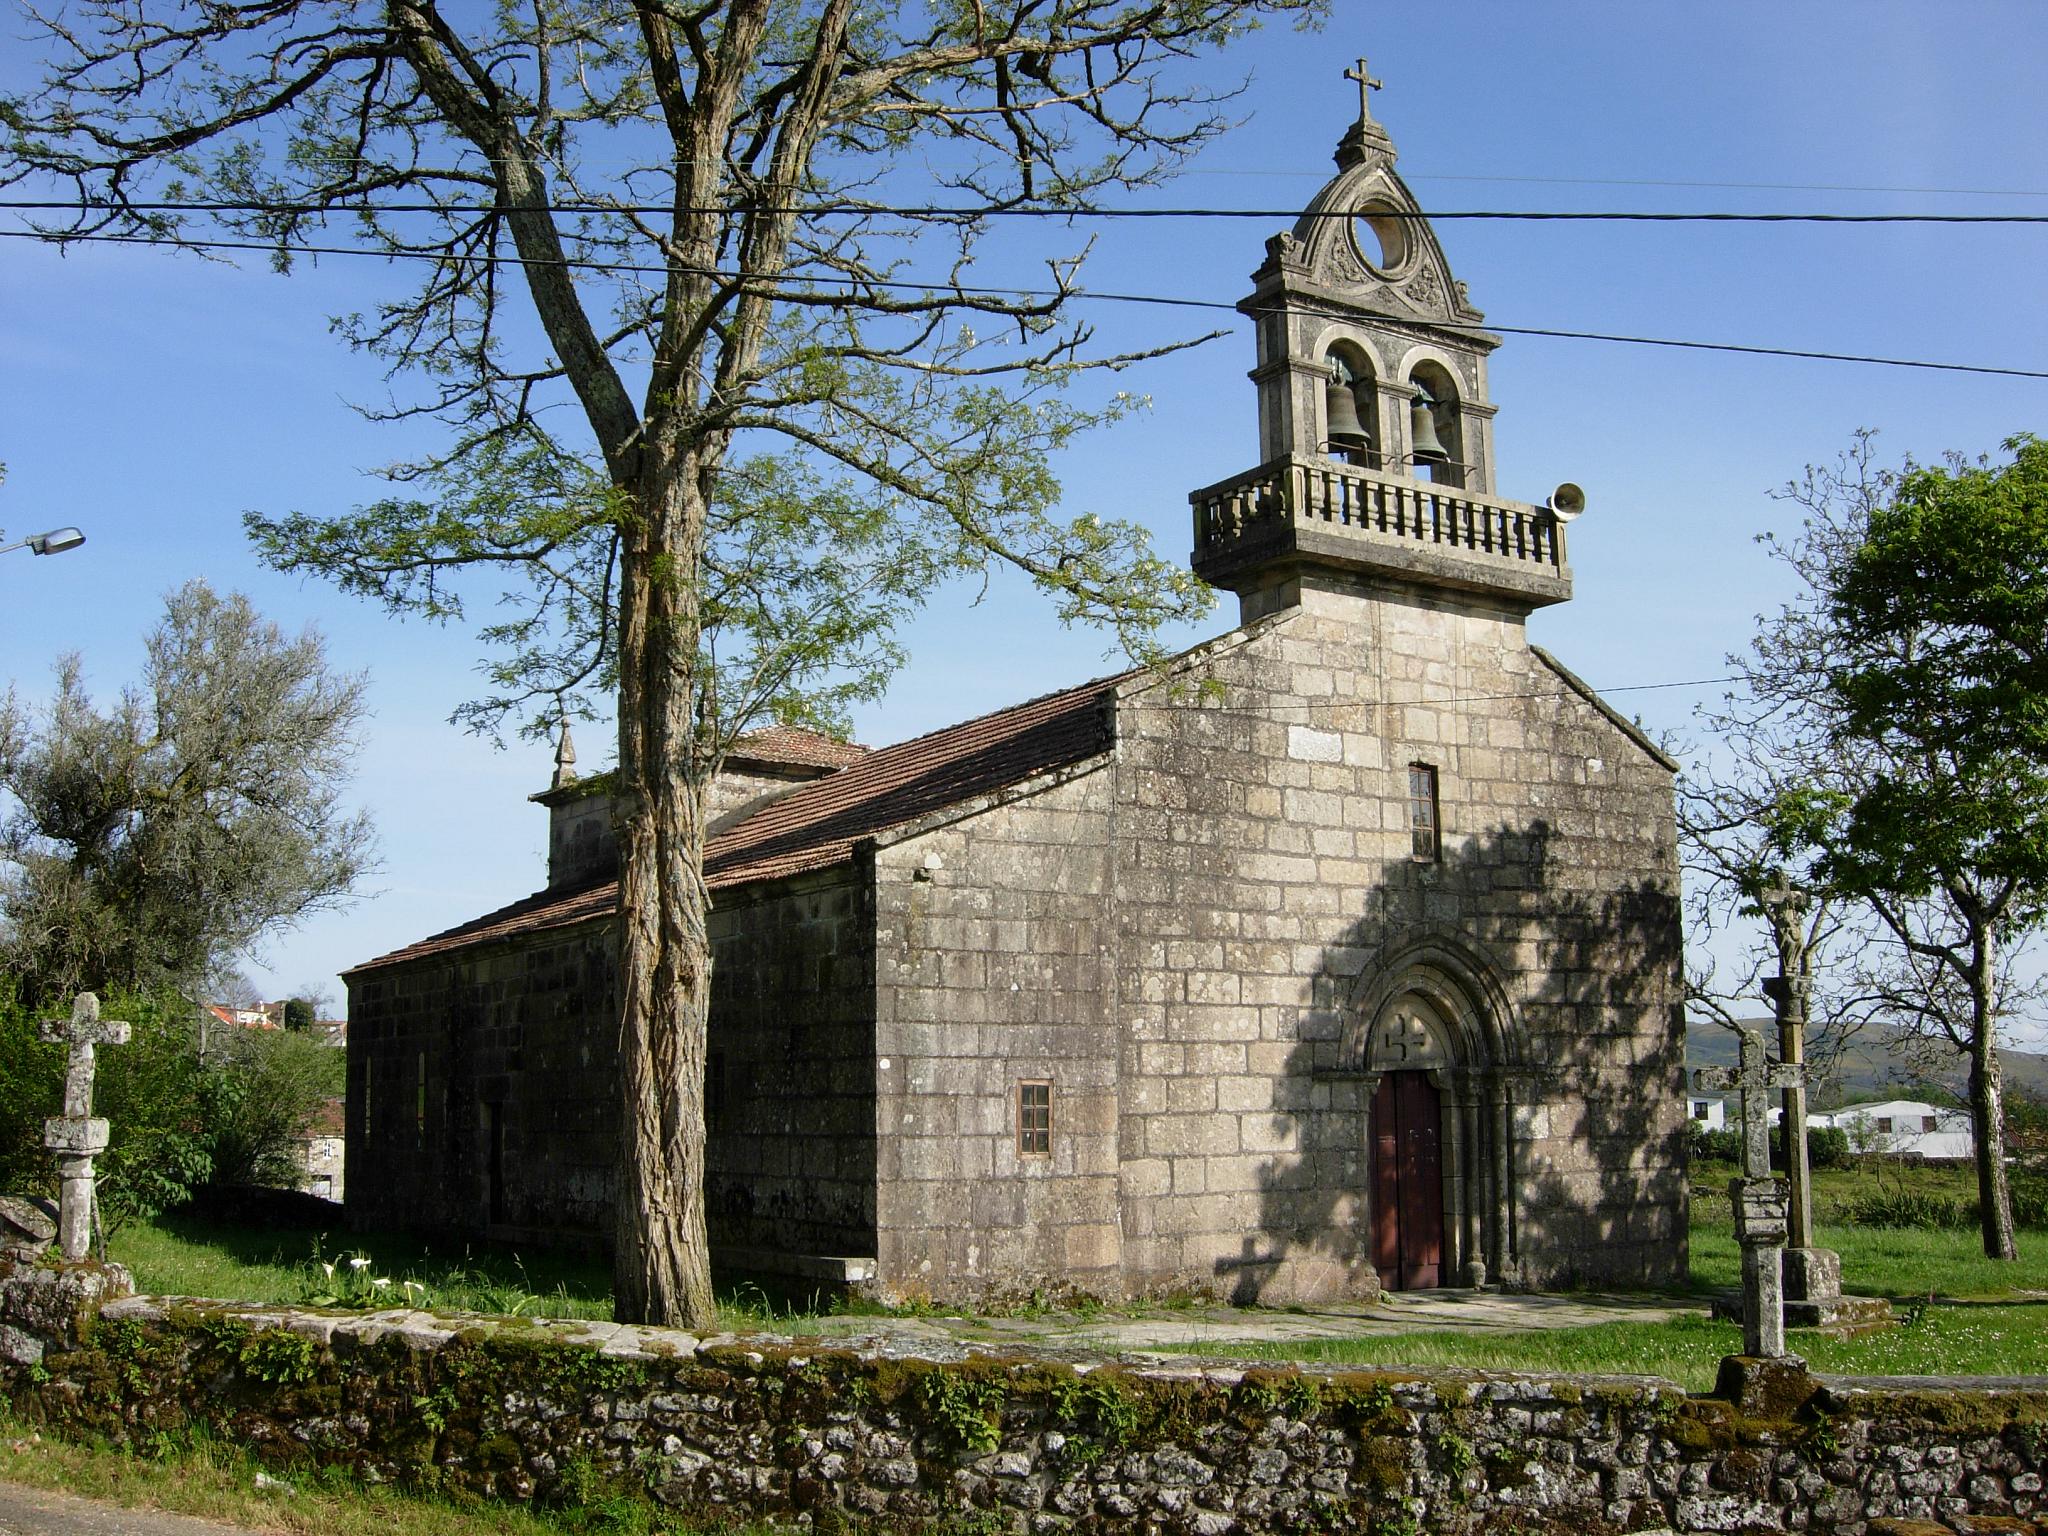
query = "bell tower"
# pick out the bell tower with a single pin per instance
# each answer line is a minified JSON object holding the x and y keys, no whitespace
{"x":1375,"y":429}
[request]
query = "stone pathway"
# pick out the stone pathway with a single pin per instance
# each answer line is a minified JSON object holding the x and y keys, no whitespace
{"x":39,"y":1512}
{"x":1209,"y":1326}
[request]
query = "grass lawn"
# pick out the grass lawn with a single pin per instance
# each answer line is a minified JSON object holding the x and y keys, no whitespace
{"x":182,"y":1256}
{"x":179,"y":1256}
{"x":1900,"y":1262}
{"x":1972,"y":1340}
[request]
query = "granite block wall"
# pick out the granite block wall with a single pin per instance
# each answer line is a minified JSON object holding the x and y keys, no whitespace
{"x":995,"y":968}
{"x":790,"y":1143}
{"x":1266,"y":900}
{"x":481,"y":1092}
{"x":483,"y":1096}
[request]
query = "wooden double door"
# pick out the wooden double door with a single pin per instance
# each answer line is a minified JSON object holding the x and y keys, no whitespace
{"x":1407,"y":1182}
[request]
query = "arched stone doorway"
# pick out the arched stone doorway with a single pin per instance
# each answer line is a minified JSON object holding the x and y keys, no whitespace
{"x":1429,"y":1035}
{"x":1409,"y":1195}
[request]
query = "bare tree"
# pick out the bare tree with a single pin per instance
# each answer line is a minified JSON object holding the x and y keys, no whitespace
{"x":800,"y":407}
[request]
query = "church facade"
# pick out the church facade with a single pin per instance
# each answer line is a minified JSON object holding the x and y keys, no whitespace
{"x":1340,"y":954}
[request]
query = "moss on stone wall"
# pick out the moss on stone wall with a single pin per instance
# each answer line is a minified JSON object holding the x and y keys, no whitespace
{"x":783,"y":1428}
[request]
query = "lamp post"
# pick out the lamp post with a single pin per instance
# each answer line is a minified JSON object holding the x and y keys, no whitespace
{"x":54,"y":542}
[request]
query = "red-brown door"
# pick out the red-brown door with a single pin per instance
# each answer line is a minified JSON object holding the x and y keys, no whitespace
{"x":1407,"y":1182}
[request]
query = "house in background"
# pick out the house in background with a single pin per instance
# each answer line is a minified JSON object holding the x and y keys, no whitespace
{"x":1339,"y":953}
{"x":323,"y":1151}
{"x":1904,"y":1127}
{"x":1709,"y":1112}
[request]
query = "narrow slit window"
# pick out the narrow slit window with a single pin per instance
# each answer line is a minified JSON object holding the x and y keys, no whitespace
{"x":1425,"y":831}
{"x":420,"y":1114}
{"x":1034,"y":1119}
{"x":714,"y":1091}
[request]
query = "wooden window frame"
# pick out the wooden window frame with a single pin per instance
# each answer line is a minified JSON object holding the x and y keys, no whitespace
{"x":1425,"y":815}
{"x":1034,"y":1136}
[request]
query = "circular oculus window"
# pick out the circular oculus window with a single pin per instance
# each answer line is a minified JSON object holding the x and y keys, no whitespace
{"x":1380,"y":232}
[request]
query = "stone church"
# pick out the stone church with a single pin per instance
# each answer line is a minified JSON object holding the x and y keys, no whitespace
{"x":1342,"y":954}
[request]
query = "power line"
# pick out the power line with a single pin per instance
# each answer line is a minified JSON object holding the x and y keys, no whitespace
{"x":1090,"y":295}
{"x":999,"y":211}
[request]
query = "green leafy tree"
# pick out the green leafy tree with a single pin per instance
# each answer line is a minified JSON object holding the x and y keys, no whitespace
{"x":298,"y":1014}
{"x":1946,"y":684}
{"x":143,"y":845}
{"x":797,"y":405}
{"x":262,"y":1089}
{"x":178,"y":1120}
{"x":1911,"y":670}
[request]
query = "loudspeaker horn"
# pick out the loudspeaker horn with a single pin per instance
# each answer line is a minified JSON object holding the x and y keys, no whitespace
{"x":1567,"y":502}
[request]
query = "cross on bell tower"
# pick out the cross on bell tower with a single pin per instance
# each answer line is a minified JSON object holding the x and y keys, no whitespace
{"x":1375,"y":428}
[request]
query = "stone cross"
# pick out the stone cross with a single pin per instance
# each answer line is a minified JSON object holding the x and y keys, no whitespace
{"x":1759,"y":1199}
{"x":75,"y":1136}
{"x":1366,"y":86}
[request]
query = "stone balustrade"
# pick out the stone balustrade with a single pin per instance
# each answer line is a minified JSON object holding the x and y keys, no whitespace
{"x":1381,"y":524}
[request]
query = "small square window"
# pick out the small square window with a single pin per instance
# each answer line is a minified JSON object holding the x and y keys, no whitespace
{"x":1884,"y":1124}
{"x":1701,"y":1110}
{"x":1034,"y":1119}
{"x":1927,"y":1122}
{"x":1424,"y":830}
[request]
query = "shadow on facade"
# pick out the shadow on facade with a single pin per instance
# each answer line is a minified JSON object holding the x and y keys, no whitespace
{"x":1542,"y":1007}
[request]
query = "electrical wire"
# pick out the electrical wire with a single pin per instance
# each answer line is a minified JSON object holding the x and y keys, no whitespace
{"x":999,"y":211}
{"x":1088,"y":295}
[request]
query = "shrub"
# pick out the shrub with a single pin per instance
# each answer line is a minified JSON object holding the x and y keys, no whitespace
{"x":1715,"y":1146}
{"x":1827,"y":1146}
{"x":1909,"y":1208}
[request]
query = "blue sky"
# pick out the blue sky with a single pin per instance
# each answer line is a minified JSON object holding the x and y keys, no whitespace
{"x":152,"y":398}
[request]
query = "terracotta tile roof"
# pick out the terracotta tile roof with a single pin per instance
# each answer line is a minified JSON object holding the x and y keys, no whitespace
{"x":787,"y":744}
{"x":816,"y":825}
{"x":530,"y":914}
{"x":329,"y":1118}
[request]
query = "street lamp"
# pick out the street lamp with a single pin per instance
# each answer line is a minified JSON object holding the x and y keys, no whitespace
{"x":55,"y":542}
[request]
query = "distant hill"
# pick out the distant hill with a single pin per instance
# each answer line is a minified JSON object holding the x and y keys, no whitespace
{"x":1870,"y":1062}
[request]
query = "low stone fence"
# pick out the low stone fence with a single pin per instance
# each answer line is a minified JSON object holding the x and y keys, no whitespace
{"x":832,"y":1438}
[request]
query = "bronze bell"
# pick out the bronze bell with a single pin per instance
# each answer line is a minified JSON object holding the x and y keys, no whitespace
{"x":1347,"y":432}
{"x":1424,"y":446}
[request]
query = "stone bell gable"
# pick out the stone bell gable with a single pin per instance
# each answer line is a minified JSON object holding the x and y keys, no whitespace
{"x":1337,"y":954}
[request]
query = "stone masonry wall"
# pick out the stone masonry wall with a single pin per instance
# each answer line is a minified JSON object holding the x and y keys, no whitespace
{"x":791,"y":1090}
{"x":993,"y":966}
{"x":518,"y":1046}
{"x":850,"y":1439}
{"x":1264,"y":886}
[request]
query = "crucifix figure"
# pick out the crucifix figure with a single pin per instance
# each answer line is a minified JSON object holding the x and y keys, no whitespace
{"x":1366,"y":86}
{"x":1759,"y":1199}
{"x":75,"y":1136}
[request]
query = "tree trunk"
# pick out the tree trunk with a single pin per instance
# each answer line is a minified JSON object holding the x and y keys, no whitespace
{"x":661,"y":1269}
{"x":1987,"y":1110}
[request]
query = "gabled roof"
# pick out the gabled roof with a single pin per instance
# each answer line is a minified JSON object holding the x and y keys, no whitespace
{"x":791,"y":746}
{"x":816,"y":825}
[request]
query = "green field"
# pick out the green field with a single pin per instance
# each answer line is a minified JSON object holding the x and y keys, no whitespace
{"x":180,"y":1256}
{"x":1988,"y":1318}
{"x":1942,"y":1340}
